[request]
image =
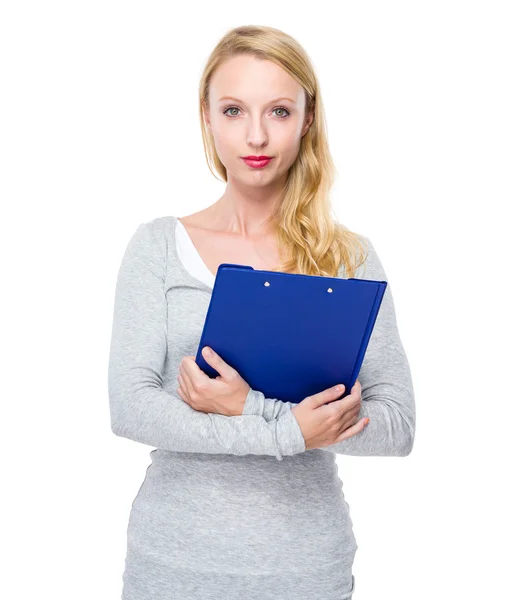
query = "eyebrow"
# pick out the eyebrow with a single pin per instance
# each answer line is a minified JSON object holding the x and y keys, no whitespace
{"x":242,"y":102}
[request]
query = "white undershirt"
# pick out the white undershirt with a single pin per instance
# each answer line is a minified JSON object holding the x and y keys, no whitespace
{"x":190,"y":257}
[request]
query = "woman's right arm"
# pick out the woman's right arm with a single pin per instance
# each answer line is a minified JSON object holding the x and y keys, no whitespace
{"x":140,"y":409}
{"x":386,"y":384}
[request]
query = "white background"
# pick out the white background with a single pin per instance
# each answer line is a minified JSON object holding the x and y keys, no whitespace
{"x":100,"y":132}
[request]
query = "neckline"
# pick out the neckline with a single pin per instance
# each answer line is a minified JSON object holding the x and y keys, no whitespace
{"x":186,"y":273}
{"x":180,"y":264}
{"x":191,"y":242}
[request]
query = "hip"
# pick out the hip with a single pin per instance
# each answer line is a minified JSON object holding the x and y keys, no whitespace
{"x":250,"y":518}
{"x":148,"y":578}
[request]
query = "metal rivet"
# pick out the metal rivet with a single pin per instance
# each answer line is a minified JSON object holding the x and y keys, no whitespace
{"x":329,"y":290}
{"x":267,"y":283}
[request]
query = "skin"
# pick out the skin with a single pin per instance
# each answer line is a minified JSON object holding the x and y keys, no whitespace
{"x":234,"y":229}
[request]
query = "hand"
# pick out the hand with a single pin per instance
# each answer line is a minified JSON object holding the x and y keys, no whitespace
{"x":324,"y":420}
{"x":224,"y":395}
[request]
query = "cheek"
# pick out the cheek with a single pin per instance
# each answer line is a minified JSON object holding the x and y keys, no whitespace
{"x":288,"y":151}
{"x":287,"y":139}
{"x":226,"y":144}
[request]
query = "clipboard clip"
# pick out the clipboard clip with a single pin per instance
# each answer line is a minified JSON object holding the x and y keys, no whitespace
{"x":235,"y":265}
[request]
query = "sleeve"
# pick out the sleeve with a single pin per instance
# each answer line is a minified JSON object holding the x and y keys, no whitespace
{"x":140,"y":408}
{"x":387,"y":393}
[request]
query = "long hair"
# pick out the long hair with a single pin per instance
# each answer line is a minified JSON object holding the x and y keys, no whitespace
{"x":307,"y":234}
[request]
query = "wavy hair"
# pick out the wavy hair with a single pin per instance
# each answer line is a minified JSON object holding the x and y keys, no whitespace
{"x":307,"y":234}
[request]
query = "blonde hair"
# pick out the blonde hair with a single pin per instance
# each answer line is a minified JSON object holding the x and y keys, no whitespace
{"x":305,"y":229}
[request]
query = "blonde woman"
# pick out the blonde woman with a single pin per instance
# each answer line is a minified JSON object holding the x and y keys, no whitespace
{"x":242,"y":499}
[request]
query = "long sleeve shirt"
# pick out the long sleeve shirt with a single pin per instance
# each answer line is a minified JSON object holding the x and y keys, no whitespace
{"x":214,"y":478}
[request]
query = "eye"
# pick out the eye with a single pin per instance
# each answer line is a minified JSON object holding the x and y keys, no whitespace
{"x":236,"y":108}
{"x":230,"y":108}
{"x":283,"y":108}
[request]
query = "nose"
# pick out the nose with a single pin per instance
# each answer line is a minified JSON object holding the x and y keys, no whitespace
{"x":257,"y":135}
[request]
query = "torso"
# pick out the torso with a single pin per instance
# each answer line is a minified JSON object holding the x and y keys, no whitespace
{"x":217,"y":247}
{"x":225,"y":525}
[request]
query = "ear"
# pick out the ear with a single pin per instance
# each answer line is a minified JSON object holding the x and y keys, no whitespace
{"x":309,"y":119}
{"x":206,"y":114}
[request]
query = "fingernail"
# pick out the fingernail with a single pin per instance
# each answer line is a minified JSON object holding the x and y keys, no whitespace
{"x":366,"y":421}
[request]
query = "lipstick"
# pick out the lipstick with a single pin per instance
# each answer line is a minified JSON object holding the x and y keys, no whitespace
{"x":257,"y":163}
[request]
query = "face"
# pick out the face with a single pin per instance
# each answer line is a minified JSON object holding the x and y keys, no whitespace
{"x":256,"y":109}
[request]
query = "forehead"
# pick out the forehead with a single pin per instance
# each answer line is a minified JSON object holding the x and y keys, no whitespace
{"x":252,"y":79}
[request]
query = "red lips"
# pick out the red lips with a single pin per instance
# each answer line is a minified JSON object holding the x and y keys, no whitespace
{"x":257,"y":157}
{"x":256,"y":163}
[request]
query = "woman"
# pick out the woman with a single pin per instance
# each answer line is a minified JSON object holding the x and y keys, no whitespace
{"x":242,"y":497}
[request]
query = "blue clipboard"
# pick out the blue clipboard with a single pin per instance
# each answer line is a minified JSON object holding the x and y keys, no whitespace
{"x":290,"y":335}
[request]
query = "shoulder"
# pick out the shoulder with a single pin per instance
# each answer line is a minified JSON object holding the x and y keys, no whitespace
{"x":360,"y":249}
{"x":371,"y":267}
{"x":150,"y":240}
{"x":160,"y":229}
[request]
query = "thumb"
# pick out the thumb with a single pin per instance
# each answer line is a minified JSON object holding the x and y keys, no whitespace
{"x":328,"y":395}
{"x":214,"y":360}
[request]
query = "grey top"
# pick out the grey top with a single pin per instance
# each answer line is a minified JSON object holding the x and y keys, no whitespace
{"x":235,"y":498}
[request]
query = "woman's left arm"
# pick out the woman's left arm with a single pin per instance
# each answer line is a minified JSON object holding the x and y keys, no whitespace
{"x":387,"y":394}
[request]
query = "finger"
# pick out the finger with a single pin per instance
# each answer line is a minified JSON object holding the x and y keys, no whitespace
{"x":218,"y":363}
{"x":327,"y":395}
{"x":340,"y":409}
{"x":350,"y":431}
{"x":348,"y":402}
{"x":184,"y":385}
{"x":182,"y":395}
{"x":194,"y":384}
{"x":356,"y":388}
{"x":191,"y":370}
{"x":350,"y":418}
